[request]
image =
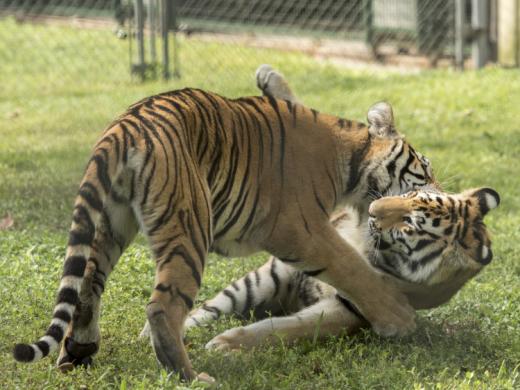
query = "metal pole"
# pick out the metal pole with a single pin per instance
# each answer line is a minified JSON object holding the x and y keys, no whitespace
{"x":152,"y":26}
{"x":164,"y":34}
{"x":479,"y":24}
{"x":139,"y":20}
{"x":368,"y":13}
{"x":459,"y":33}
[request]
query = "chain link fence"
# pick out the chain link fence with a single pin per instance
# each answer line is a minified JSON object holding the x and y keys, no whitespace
{"x":93,"y":46}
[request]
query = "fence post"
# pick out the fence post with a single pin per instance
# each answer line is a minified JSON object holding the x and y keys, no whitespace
{"x":368,"y":16}
{"x":509,"y":32}
{"x":152,"y":26}
{"x":479,"y":24}
{"x":459,"y":33}
{"x":165,"y":13}
{"x":139,"y":19}
{"x":173,"y":25}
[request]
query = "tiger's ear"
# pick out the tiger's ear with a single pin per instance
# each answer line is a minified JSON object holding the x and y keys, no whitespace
{"x":487,"y":199}
{"x":381,"y":120}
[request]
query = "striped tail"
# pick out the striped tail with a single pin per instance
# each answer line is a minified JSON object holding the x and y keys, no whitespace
{"x":102,"y":168}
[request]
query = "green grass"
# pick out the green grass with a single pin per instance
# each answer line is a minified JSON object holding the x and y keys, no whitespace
{"x":466,"y":123}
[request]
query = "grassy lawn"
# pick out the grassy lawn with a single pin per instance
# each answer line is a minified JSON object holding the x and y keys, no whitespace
{"x":466,"y":123}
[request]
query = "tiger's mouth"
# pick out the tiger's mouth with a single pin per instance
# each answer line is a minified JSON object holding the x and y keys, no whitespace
{"x":373,"y":228}
{"x":380,"y":254}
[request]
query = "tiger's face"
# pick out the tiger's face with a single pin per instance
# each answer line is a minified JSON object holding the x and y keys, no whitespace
{"x":403,"y":169}
{"x":427,"y":236}
{"x":415,"y":172}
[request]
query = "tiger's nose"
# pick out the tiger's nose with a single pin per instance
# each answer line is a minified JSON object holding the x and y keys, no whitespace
{"x":387,"y":211}
{"x":377,"y":209}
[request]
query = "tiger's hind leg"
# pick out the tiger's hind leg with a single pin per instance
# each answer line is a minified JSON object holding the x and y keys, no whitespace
{"x":328,"y":317}
{"x":270,"y":289}
{"x":179,"y":231}
{"x":116,"y":231}
{"x":267,"y":290}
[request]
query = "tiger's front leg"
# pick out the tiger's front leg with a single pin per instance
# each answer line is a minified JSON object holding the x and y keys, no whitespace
{"x":327,"y":317}
{"x":326,"y":255}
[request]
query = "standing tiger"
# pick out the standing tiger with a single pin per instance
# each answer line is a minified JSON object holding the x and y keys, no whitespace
{"x":431,"y":242}
{"x":197,"y":172}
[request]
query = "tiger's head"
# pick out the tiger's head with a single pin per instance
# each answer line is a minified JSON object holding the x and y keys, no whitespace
{"x":398,"y":167}
{"x":429,"y":237}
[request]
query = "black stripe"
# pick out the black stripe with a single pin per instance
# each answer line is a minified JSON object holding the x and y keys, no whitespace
{"x":163,"y":288}
{"x":314,"y":272}
{"x":80,"y":238}
{"x":165,"y":217}
{"x":422,"y":244}
{"x":391,"y":165}
{"x":320,"y":203}
{"x":181,"y":251}
{"x":314,"y":115}
{"x":212,"y":309}
{"x":147,"y":187}
{"x":116,"y":145}
{"x":252,"y":214}
{"x":355,"y":164}
{"x":350,"y":306}
{"x":431,"y":256}
{"x":253,"y":102}
{"x":62,"y":315}
{"x":276,"y":279}
{"x":274,"y":104}
{"x":187,"y":300}
{"x":289,"y":260}
{"x":44,"y":347}
{"x":102,"y":172}
{"x":91,"y":195}
{"x":231,"y":296}
{"x":55,"y":332}
{"x":68,"y":295}
{"x":74,"y":266}
{"x":249,"y":294}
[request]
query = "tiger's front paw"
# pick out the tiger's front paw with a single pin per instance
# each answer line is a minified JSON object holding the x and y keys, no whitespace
{"x":232,"y":340}
{"x":74,"y":354}
{"x":395,"y":319}
{"x":206,"y":378}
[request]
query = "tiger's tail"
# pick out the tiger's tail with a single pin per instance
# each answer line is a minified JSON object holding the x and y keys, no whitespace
{"x":102,"y":169}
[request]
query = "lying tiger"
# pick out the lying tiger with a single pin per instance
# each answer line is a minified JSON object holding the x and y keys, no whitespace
{"x":197,"y":172}
{"x":431,"y":242}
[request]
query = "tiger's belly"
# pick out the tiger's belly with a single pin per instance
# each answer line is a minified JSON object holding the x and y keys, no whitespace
{"x":234,"y":248}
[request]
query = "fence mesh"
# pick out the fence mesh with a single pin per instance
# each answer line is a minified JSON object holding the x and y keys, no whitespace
{"x":72,"y":38}
{"x":89,"y":46}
